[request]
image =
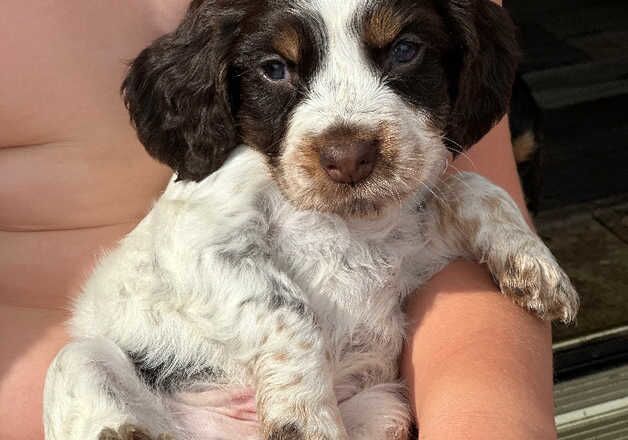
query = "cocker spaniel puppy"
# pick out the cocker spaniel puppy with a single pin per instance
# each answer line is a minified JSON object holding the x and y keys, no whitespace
{"x":308,"y":140}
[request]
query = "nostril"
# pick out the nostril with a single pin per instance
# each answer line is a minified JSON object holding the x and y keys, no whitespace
{"x":349,"y":160}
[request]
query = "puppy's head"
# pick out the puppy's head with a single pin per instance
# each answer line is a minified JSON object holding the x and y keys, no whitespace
{"x":354,"y":103}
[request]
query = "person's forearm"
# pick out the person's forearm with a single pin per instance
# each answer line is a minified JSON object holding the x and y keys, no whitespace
{"x":479,"y":366}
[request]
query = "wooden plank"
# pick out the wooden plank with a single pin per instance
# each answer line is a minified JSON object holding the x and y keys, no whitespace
{"x":582,"y":74}
{"x":568,"y":19}
{"x":585,"y":152}
{"x":574,"y":84}
{"x":605,"y":45}
{"x":543,"y":50}
{"x":615,"y":219}
{"x":603,"y":16}
{"x":597,"y":262}
{"x":530,"y":8}
{"x":564,"y":96}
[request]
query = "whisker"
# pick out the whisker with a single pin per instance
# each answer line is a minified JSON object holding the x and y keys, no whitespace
{"x":460,"y":150}
{"x":440,"y":200}
{"x":458,"y":178}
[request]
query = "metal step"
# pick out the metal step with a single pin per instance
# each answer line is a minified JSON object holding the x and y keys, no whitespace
{"x":593,"y":407}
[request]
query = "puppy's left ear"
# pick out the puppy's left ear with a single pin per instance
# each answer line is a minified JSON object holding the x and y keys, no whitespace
{"x":482,"y":69}
{"x":178,"y":94}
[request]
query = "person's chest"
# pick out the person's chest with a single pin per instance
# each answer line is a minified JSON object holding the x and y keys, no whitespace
{"x":73,"y":177}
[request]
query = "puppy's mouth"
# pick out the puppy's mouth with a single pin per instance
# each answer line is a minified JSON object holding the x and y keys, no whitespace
{"x":351,"y":172}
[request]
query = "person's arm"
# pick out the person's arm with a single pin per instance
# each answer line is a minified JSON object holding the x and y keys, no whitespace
{"x":478,"y":366}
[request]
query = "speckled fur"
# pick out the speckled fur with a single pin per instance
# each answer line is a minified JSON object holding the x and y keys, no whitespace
{"x":263,"y":275}
{"x":175,"y":288}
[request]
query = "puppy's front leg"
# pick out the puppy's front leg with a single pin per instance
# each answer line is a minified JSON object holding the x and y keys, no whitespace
{"x":280,"y":341}
{"x":477,"y":219}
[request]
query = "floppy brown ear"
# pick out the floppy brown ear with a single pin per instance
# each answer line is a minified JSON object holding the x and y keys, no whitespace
{"x":483,"y":62}
{"x":177,"y":92}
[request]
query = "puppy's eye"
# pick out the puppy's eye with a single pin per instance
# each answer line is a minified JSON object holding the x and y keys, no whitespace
{"x":275,"y":70}
{"x":404,"y":52}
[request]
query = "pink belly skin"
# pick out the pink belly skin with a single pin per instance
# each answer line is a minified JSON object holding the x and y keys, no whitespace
{"x":216,"y":414}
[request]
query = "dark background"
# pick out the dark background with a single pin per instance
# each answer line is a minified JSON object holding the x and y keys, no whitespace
{"x":576,"y":63}
{"x":576,"y":67}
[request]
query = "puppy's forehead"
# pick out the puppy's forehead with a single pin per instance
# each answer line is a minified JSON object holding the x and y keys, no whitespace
{"x":346,"y":87}
{"x":377,"y":22}
{"x":337,"y":26}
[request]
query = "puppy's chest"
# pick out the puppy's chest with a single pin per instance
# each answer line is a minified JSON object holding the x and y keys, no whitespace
{"x":355,"y":280}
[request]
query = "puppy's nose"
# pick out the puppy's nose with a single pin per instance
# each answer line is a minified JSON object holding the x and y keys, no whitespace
{"x":349,"y":160}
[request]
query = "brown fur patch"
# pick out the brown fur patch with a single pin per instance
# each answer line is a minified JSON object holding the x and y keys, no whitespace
{"x":450,"y":224}
{"x":288,"y":44}
{"x":265,"y":339}
{"x":286,"y":432}
{"x":108,"y":434}
{"x":382,"y":27}
{"x":296,"y":380}
{"x":524,"y":146}
{"x":307,"y":346}
{"x":281,"y":356}
{"x":281,"y":324}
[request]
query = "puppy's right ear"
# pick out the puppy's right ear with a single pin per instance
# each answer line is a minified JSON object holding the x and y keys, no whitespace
{"x":177,"y":92}
{"x":482,"y":68}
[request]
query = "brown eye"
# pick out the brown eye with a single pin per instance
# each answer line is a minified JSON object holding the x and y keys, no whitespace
{"x":275,"y":70}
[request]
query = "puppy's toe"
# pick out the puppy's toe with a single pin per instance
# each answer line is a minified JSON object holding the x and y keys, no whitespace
{"x":536,"y":282}
{"x":130,"y":432}
{"x":398,"y":433}
{"x":108,"y":434}
{"x":286,"y":432}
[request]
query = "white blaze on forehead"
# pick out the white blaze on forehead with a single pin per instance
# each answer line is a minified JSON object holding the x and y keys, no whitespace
{"x":345,"y":88}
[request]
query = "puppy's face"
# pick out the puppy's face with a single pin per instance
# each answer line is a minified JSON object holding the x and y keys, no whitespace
{"x":355,"y":103}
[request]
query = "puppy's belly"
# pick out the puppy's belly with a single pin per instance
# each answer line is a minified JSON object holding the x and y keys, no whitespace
{"x":219,"y":413}
{"x":216,"y":413}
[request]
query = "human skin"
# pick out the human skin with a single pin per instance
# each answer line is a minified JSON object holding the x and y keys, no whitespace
{"x":478,"y":366}
{"x":74,"y":180}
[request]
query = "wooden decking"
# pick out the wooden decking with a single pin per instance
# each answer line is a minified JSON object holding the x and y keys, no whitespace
{"x":591,"y":242}
{"x":594,"y":407}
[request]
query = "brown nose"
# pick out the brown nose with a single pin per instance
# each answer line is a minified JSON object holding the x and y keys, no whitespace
{"x":349,"y":160}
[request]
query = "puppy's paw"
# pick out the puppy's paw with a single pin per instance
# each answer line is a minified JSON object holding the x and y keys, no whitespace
{"x":130,"y":432}
{"x":285,"y":432}
{"x":398,"y":433}
{"x":535,"y":281}
{"x":293,"y":431}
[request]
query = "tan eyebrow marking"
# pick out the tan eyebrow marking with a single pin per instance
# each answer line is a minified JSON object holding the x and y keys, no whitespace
{"x":382,"y":26}
{"x":287,"y":43}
